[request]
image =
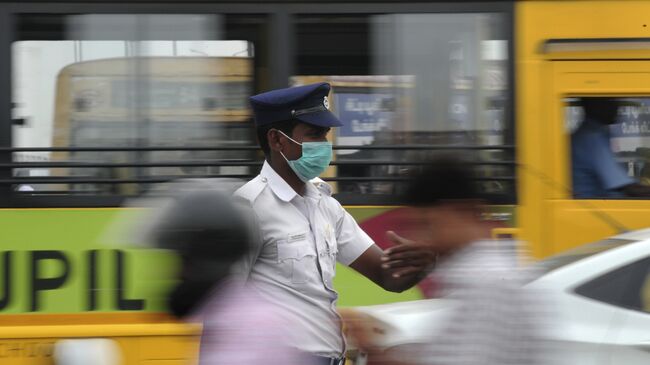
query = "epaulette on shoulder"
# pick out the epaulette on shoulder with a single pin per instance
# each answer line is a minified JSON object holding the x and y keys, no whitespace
{"x":322,"y":186}
{"x":251,"y":190}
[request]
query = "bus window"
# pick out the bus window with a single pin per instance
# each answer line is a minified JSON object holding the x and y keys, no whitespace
{"x":408,"y":87}
{"x":610,"y":146}
{"x":129,"y":100}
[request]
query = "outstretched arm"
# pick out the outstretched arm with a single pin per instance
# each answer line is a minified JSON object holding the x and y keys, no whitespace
{"x":399,"y":267}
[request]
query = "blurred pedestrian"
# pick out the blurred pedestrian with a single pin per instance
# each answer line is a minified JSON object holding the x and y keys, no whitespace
{"x":494,"y":319}
{"x":210,"y":234}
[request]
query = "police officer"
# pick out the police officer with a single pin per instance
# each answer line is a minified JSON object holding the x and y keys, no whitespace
{"x":303,"y":231}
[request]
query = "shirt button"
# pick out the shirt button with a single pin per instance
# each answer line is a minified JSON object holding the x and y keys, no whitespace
{"x":264,"y":180}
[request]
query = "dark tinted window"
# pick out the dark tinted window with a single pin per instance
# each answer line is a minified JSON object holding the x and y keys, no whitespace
{"x":624,"y":287}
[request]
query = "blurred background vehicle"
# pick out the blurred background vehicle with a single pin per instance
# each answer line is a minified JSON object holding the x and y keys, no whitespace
{"x":600,"y":299}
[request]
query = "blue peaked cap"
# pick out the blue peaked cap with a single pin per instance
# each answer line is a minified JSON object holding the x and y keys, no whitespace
{"x":308,"y":104}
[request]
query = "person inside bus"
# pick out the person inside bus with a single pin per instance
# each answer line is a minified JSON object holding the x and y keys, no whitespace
{"x":210,"y":234}
{"x":595,"y":171}
{"x":303,"y":231}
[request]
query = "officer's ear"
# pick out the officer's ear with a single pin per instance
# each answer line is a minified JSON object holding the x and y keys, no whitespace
{"x":274,"y":138}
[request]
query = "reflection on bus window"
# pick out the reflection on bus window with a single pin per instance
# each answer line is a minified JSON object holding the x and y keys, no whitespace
{"x":609,"y":146}
{"x":178,"y":90}
{"x":407,"y":86}
{"x":416,"y":84}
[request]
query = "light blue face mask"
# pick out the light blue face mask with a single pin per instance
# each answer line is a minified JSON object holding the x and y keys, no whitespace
{"x":316,"y":156}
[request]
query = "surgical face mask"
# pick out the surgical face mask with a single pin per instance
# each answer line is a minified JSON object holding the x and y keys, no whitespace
{"x":316,"y":156}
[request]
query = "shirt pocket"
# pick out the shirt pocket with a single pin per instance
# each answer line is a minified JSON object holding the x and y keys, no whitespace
{"x":296,"y":261}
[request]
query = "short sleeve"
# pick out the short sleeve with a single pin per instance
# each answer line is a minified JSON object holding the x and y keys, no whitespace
{"x":608,"y":170}
{"x":244,"y":266}
{"x":352,"y":241}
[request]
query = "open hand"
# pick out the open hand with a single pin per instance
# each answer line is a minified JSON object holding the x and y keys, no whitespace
{"x":407,"y":257}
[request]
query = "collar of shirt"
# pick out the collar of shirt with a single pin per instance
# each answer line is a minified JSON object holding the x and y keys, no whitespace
{"x":281,"y":188}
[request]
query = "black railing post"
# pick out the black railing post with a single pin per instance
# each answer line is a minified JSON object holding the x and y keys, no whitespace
{"x":6,"y":38}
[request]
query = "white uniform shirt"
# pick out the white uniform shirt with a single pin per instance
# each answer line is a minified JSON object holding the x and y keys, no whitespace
{"x":300,"y":240}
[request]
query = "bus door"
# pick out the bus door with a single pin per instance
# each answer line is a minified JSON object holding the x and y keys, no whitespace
{"x":575,"y":212}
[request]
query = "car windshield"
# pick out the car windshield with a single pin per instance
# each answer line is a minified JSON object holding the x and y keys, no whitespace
{"x":581,"y":252}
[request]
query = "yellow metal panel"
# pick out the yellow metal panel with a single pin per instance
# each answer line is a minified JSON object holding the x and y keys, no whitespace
{"x":600,"y":54}
{"x":142,"y":338}
{"x":91,"y":330}
{"x":505,"y":233}
{"x":530,"y":157}
{"x":26,"y":352}
{"x":602,"y":77}
{"x":584,"y":220}
{"x":169,"y":347}
{"x":537,"y":21}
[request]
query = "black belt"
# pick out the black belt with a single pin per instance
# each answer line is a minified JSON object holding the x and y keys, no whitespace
{"x":320,"y":360}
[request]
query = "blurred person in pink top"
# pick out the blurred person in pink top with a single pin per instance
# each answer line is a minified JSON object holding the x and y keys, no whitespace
{"x":210,"y":234}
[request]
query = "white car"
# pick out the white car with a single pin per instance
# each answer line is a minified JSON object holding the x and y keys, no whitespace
{"x":601,"y":296}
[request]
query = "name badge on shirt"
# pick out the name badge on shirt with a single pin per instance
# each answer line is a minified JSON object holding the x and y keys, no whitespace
{"x":297,"y":237}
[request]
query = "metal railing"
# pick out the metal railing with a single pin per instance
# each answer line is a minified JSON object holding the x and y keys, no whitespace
{"x":362,"y":171}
